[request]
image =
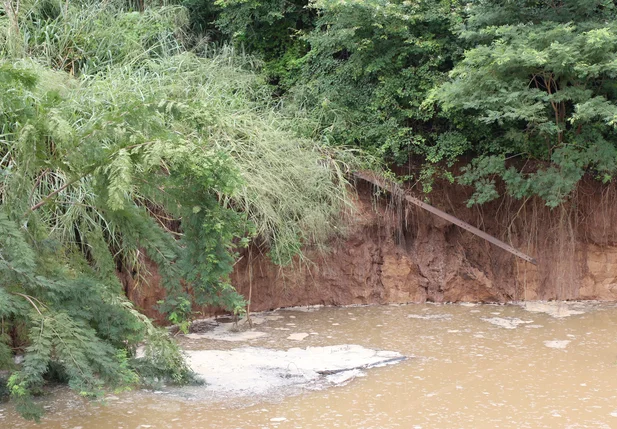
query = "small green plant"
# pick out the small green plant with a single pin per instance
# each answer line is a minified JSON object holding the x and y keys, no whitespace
{"x":181,"y":312}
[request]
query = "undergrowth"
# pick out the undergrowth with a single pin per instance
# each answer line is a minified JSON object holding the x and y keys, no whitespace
{"x":108,"y":124}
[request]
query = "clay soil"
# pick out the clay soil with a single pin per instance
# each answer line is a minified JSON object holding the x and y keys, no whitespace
{"x":397,"y":253}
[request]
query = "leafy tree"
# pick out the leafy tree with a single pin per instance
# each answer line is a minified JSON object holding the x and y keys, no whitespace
{"x":270,"y":29}
{"x":95,"y":154}
{"x":57,"y":271}
{"x":369,"y":69}
{"x":540,"y":82}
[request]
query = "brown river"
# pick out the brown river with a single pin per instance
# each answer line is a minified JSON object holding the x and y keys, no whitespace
{"x":472,"y":367}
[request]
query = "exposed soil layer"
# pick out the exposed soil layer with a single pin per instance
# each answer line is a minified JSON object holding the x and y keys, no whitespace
{"x":397,"y":253}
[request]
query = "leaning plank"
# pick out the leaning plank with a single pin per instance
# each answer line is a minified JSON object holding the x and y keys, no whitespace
{"x":394,"y":189}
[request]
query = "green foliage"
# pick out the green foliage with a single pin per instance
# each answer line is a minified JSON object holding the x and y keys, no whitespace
{"x":541,"y":82}
{"x":74,"y":157}
{"x":76,"y":162}
{"x":89,"y":38}
{"x":369,"y":68}
{"x":87,"y":361}
{"x":163,"y":361}
{"x":102,"y":135}
{"x":536,"y":82}
{"x":271,"y":29}
{"x":115,"y":142}
{"x":290,"y":192}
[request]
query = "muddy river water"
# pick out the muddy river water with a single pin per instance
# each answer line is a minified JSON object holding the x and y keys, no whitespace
{"x":472,"y":367}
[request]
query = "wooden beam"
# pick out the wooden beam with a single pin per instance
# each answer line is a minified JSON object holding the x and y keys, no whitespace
{"x":394,"y":189}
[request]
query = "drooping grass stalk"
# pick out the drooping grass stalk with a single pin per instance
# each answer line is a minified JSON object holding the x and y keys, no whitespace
{"x":293,"y":191}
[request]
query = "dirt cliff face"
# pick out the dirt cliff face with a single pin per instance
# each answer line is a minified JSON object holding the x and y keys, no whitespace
{"x":397,"y":253}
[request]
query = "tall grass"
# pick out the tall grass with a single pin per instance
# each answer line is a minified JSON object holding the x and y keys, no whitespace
{"x":292,"y":190}
{"x":88,"y":38}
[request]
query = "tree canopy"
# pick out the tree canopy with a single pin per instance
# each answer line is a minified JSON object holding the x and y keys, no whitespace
{"x":521,"y":92}
{"x":541,"y":76}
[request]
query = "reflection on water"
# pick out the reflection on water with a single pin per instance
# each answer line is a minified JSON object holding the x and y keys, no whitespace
{"x":468,"y":372}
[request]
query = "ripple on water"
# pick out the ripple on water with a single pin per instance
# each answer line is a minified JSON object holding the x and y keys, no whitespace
{"x":483,"y":376}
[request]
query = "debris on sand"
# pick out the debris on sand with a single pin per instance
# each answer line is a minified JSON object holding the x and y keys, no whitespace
{"x":227,"y":335}
{"x":255,"y":370}
{"x":209,"y":329}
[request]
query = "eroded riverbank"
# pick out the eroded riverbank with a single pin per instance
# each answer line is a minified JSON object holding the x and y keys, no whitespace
{"x":555,"y":368}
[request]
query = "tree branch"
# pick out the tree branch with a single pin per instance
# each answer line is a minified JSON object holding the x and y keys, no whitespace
{"x":51,"y":195}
